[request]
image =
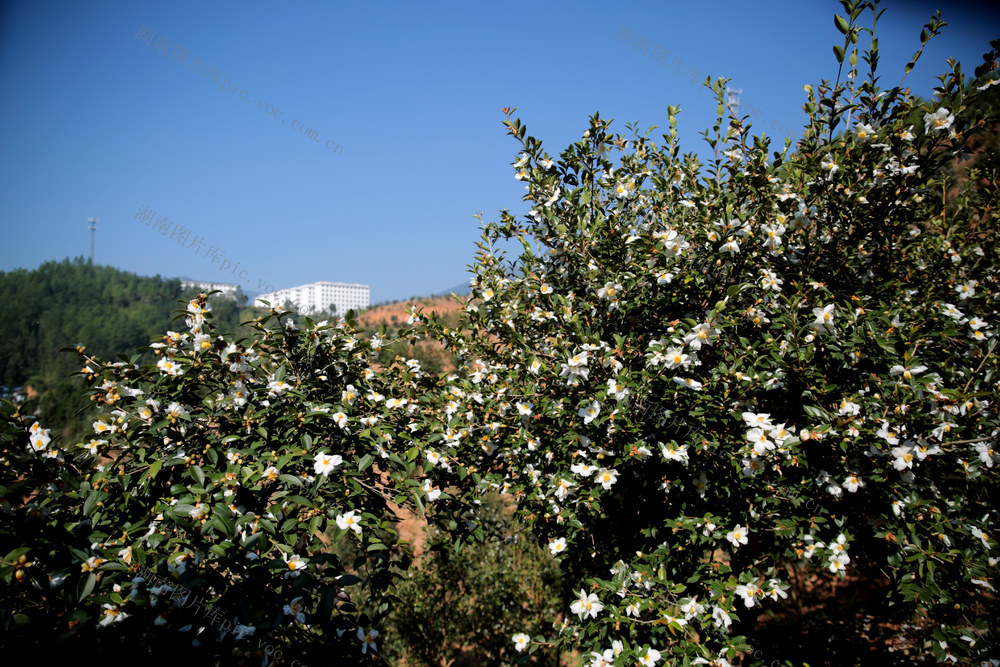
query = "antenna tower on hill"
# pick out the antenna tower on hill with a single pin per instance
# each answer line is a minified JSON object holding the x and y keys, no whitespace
{"x":93,"y":230}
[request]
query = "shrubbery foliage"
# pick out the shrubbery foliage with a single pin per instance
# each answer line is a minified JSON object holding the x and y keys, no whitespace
{"x":693,"y":376}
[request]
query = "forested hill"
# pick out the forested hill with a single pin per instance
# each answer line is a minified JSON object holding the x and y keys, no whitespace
{"x":61,"y":304}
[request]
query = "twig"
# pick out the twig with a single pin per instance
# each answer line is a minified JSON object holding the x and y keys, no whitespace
{"x":966,"y":442}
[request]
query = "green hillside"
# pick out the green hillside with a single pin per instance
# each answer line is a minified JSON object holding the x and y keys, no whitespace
{"x":73,"y":302}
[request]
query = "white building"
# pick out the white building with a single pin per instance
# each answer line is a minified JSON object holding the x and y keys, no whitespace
{"x":227,"y":289}
{"x":318,"y":297}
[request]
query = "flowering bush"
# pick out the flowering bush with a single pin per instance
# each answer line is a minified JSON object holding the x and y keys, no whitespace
{"x":211,"y":504}
{"x":694,"y":375}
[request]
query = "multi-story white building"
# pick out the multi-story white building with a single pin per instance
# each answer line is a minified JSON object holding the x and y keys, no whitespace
{"x":228,"y":289}
{"x":318,"y":297}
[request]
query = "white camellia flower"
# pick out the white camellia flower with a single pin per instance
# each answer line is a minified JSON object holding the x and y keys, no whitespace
{"x":760,"y":440}
{"x":853,"y":483}
{"x":606,"y":659}
{"x":774,"y":590}
{"x":278,"y":387}
{"x":829,"y":165}
{"x":677,"y":359}
{"x":721,"y":617}
{"x":954,"y":313}
{"x":967,"y":289}
{"x":757,"y":419}
{"x":326,"y":463}
{"x":112,"y":614}
{"x":586,"y":606}
{"x":617,"y":390}
{"x":294,"y":562}
{"x":690,"y":383}
{"x":40,"y":438}
{"x":938,"y":121}
{"x":674,"y":452}
{"x":749,"y":593}
{"x":562,"y":488}
{"x":294,"y":609}
{"x":737,"y":536}
{"x":368,"y":640}
{"x":887,"y":433}
{"x":987,"y":454}
{"x":838,"y":561}
{"x":433,"y":492}
{"x":590,"y":412}
{"x":904,"y":457}
{"x":824,"y":317}
{"x":520,"y":641}
{"x":607,"y":477}
{"x":557,"y":545}
{"x":625,"y":189}
{"x":649,"y":657}
{"x":978,"y":533}
{"x":349,"y":521}
{"x":169,"y":366}
{"x":610,"y":290}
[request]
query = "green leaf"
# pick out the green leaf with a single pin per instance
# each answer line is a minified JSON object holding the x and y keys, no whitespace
{"x":86,"y":585}
{"x":252,"y":541}
{"x":20,"y":551}
{"x":348,"y":580}
{"x":152,"y":472}
{"x":88,"y":505}
{"x":291,"y":479}
{"x":199,"y":475}
{"x":838,"y":51}
{"x":841,"y":23}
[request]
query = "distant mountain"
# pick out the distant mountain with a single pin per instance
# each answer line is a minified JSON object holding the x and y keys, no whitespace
{"x":461,"y":289}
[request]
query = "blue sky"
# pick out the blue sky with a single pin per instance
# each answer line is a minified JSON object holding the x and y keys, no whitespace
{"x":95,"y":122}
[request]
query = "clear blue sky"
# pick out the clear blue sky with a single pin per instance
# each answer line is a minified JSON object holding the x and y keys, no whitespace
{"x":96,"y":123}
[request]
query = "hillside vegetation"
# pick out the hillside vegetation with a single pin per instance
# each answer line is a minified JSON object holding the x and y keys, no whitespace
{"x":72,"y":302}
